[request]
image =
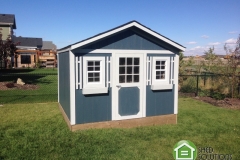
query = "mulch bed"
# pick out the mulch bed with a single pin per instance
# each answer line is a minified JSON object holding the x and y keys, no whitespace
{"x":18,"y":86}
{"x":232,"y":103}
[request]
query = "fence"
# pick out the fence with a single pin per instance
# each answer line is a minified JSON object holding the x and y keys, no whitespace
{"x":42,"y":87}
{"x":38,"y":87}
{"x":207,"y":84}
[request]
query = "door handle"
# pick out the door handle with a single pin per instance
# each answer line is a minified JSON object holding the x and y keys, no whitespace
{"x":119,"y":86}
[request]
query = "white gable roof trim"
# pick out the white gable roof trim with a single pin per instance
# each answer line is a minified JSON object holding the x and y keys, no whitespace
{"x":121,"y":28}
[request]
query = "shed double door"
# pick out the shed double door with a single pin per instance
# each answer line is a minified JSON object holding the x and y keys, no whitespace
{"x":128,"y":86}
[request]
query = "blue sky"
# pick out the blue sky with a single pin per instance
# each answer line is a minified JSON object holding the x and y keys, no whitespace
{"x":195,"y":24}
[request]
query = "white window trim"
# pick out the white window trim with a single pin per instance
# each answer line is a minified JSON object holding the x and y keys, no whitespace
{"x":94,"y":87}
{"x":167,"y":71}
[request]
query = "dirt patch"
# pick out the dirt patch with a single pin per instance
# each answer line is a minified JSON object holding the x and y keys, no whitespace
{"x":232,"y":103}
{"x":3,"y":86}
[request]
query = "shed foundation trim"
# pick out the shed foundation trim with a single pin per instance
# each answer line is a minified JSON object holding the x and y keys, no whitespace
{"x":129,"y":123}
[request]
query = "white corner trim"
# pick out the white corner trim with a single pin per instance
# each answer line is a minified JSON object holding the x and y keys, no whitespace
{"x":58,"y":76}
{"x":72,"y":88}
{"x":161,"y":87}
{"x":176,"y":67}
{"x":86,"y":91}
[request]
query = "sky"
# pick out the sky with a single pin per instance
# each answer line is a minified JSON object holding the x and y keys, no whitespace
{"x":195,"y":24}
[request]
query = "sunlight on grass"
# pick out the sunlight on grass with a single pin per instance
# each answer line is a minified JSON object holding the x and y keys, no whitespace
{"x":38,"y":131}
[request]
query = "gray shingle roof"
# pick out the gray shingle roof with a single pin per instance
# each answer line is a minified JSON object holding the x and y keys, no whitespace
{"x":8,"y":18}
{"x":49,"y":45}
{"x":28,"y":41}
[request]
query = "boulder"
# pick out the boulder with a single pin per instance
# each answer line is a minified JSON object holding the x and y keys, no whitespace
{"x":20,"y":81}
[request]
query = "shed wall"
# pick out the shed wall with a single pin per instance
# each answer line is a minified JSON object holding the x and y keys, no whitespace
{"x":93,"y":108}
{"x":159,"y":102}
{"x":64,"y":82}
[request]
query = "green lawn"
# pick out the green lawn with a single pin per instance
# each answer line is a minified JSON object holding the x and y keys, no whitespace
{"x":38,"y":131}
{"x":45,"y":79}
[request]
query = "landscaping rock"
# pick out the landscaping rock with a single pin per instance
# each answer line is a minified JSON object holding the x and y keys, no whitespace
{"x":20,"y":81}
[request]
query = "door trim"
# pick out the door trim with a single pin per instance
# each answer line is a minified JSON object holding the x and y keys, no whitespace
{"x":142,"y":85}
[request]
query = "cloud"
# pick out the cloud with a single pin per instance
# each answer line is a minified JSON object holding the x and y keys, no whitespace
{"x":214,"y":43}
{"x":231,"y":40}
{"x":199,"y":50}
{"x":205,"y":36}
{"x":192,"y":42}
{"x":233,"y":32}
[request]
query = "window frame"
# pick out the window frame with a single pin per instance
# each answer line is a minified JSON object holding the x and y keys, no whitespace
{"x":165,"y":81}
{"x":101,"y":83}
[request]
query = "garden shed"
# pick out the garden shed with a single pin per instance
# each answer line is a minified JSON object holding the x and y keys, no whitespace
{"x":124,"y":77}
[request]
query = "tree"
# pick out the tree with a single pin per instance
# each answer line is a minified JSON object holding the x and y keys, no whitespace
{"x":233,"y":56}
{"x":7,"y":49}
{"x":210,"y":56}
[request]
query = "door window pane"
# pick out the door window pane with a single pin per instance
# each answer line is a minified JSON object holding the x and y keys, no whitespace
{"x":121,"y":70}
{"x":129,"y":61}
{"x":129,"y":78}
{"x":122,"y":79}
{"x":121,"y":61}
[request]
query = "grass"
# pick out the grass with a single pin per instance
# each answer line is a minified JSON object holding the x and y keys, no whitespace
{"x":38,"y":131}
{"x":45,"y":79}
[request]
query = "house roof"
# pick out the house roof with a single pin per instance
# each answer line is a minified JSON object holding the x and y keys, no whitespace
{"x":121,"y":28}
{"x":8,"y":19}
{"x":48,"y":45}
{"x":28,"y":41}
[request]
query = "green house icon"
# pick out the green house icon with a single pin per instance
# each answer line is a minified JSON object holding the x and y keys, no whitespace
{"x":184,"y":152}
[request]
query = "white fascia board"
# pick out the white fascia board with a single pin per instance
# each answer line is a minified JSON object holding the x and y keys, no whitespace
{"x":101,"y":36}
{"x":160,"y":37}
{"x":72,"y":88}
{"x":125,"y":27}
{"x":124,"y":51}
{"x":62,"y":51}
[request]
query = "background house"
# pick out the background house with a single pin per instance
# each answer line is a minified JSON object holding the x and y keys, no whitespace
{"x":27,"y":51}
{"x":48,"y":54}
{"x":7,"y":24}
{"x":124,"y":77}
{"x":31,"y":52}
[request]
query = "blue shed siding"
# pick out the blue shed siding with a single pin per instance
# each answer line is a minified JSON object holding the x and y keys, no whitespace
{"x":128,"y":39}
{"x":159,"y":102}
{"x":64,"y":82}
{"x":93,"y":108}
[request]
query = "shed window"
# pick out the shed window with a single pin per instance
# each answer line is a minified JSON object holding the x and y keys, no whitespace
{"x":93,"y":72}
{"x":161,"y":70}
